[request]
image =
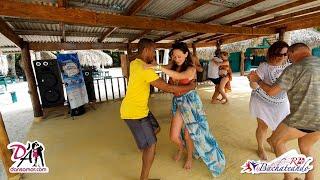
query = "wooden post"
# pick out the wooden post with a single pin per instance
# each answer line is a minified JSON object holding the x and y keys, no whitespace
{"x":33,"y":91}
{"x":242,"y":59}
{"x":194,"y":49}
{"x":281,"y":33}
{"x":4,"y":151}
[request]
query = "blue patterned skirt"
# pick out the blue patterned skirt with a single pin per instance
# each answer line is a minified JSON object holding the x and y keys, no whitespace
{"x":195,"y":121}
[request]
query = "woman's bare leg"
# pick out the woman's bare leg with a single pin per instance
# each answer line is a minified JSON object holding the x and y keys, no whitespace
{"x":261,"y":133}
{"x":175,"y":130}
{"x":189,"y":142}
{"x":222,"y":84}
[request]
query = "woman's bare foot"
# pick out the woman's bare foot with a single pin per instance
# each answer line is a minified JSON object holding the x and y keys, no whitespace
{"x":262,"y":154}
{"x":271,"y":147}
{"x":215,"y":102}
{"x":224,"y":101}
{"x":177,"y":157}
{"x":188,"y":164}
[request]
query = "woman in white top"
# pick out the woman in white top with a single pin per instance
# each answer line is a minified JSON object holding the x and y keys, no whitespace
{"x":270,"y":110}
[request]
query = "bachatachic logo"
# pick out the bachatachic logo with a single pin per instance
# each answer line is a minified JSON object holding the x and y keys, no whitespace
{"x":28,"y":158}
{"x":290,"y":162}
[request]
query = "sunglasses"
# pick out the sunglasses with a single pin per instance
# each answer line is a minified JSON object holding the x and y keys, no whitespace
{"x":284,"y":54}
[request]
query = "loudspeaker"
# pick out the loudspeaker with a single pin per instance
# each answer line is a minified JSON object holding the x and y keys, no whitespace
{"x":78,"y":111}
{"x":88,"y":80}
{"x":49,"y":83}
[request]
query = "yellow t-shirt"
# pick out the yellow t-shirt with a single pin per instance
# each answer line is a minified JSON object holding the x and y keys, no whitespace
{"x":135,"y":103}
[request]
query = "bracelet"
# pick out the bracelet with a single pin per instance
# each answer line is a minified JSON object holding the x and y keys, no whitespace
{"x":158,"y":68}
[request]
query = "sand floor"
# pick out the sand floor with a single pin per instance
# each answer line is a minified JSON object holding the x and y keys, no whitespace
{"x":98,"y":145}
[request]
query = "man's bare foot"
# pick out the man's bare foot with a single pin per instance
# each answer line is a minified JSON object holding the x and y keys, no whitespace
{"x":177,"y":157}
{"x":262,"y":154}
{"x":188,"y":164}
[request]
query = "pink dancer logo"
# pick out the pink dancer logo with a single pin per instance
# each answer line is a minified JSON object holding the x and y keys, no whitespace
{"x":28,"y":158}
{"x":290,"y":162}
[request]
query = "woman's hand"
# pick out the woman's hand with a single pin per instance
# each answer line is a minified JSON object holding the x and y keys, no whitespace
{"x":254,"y":85}
{"x":149,"y":66}
{"x":253,"y":76}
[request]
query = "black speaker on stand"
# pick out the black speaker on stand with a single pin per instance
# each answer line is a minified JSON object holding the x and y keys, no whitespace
{"x":49,"y":83}
{"x":88,"y":80}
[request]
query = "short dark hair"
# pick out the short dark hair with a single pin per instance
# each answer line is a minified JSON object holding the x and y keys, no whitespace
{"x":275,"y":49}
{"x":144,"y":43}
{"x":297,"y":46}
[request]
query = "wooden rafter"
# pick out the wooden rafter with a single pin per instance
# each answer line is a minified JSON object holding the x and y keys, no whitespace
{"x":77,"y":16}
{"x":227,"y":12}
{"x":9,"y":33}
{"x":178,"y":14}
{"x":232,"y":10}
{"x":83,"y":46}
{"x":271,"y":11}
{"x":292,"y":19}
{"x":290,"y":15}
{"x":135,"y":8}
{"x":267,"y":12}
{"x":62,"y":4}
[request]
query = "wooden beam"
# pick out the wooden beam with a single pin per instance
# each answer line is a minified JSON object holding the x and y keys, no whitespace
{"x":303,"y":23}
{"x":188,"y":9}
{"x":281,"y":32}
{"x":271,"y":11}
{"x":8,"y":32}
{"x":75,"y":46}
{"x":174,"y":17}
{"x":63,"y":32}
{"x":87,"y":46}
{"x":106,"y":34}
{"x":227,"y":12}
{"x":28,"y":71}
{"x":4,"y":151}
{"x":286,"y":16}
{"x":137,"y":6}
{"x":287,"y":21}
{"x":166,"y":36}
{"x":232,"y":10}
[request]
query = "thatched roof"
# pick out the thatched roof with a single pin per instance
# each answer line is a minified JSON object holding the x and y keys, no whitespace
{"x":310,"y":36}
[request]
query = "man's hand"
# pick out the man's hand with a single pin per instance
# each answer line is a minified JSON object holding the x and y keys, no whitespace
{"x":253,"y":76}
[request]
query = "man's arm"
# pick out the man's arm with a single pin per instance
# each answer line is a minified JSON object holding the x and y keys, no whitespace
{"x":270,"y":90}
{"x":161,"y":84}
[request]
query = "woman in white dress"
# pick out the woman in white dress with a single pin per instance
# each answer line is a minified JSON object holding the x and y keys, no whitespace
{"x":270,"y":110}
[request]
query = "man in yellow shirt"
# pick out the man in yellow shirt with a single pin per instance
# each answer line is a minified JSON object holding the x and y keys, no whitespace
{"x":134,"y":108}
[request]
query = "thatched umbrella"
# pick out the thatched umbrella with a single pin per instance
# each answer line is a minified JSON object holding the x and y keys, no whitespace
{"x":3,"y":65}
{"x":86,"y":57}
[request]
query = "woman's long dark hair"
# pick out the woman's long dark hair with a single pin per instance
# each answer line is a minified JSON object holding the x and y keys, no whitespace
{"x":275,"y":50}
{"x":184,"y":48}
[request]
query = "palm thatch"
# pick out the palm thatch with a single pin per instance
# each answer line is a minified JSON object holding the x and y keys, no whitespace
{"x":310,"y":36}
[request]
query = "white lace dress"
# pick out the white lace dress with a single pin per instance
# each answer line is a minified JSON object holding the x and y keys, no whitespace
{"x":271,"y":109}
